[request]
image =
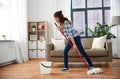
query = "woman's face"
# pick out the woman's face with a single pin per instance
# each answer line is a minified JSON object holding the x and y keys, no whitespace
{"x":57,"y":19}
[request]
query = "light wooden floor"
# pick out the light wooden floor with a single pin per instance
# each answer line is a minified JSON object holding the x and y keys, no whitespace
{"x":30,"y":70}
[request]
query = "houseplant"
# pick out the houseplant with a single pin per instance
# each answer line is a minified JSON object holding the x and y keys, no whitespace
{"x":4,"y":37}
{"x":101,"y":30}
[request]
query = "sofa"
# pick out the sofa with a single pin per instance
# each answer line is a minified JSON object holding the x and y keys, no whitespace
{"x":96,"y":55}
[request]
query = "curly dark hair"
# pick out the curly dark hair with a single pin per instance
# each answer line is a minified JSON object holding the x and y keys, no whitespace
{"x":61,"y":17}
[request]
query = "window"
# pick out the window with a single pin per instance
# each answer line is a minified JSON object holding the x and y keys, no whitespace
{"x":86,"y":13}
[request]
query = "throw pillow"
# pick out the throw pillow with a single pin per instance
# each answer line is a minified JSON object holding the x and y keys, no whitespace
{"x":59,"y":44}
{"x":98,"y":43}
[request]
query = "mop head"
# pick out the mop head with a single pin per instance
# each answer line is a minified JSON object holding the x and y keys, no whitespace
{"x":95,"y":71}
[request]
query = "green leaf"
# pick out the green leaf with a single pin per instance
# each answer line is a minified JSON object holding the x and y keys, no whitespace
{"x":82,"y":33}
{"x":101,"y":30}
{"x":91,"y":31}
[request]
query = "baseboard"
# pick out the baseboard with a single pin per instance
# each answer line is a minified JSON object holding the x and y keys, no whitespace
{"x":7,"y":63}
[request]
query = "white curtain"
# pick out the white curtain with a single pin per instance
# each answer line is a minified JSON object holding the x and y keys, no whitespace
{"x":115,"y":11}
{"x":18,"y":28}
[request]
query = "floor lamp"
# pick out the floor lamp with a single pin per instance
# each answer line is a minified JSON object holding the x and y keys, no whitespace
{"x":116,"y":21}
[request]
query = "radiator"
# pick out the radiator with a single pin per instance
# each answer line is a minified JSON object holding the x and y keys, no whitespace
{"x":7,"y":52}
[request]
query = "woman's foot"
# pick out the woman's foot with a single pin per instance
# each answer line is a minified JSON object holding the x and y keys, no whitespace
{"x":90,"y":68}
{"x":64,"y":70}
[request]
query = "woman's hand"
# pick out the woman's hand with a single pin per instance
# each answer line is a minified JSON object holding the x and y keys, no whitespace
{"x":74,"y":46}
{"x":73,"y":42}
{"x":59,"y":28}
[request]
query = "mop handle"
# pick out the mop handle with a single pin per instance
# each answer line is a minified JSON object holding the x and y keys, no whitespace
{"x":76,"y":50}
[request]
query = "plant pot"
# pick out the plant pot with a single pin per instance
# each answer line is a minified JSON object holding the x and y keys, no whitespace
{"x":33,"y":29}
{"x":4,"y":38}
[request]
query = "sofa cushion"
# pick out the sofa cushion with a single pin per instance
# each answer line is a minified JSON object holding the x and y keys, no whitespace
{"x":72,"y":53}
{"x":56,"y":53}
{"x":97,"y":52}
{"x":87,"y":42}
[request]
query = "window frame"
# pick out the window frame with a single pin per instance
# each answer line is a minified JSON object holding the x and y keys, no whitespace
{"x":103,"y":8}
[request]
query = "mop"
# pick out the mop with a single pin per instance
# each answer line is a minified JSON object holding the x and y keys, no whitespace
{"x":91,"y":71}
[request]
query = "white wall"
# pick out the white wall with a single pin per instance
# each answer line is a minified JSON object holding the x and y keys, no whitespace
{"x":39,"y":10}
{"x":5,"y":19}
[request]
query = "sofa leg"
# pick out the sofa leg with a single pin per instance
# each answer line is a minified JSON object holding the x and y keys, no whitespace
{"x":108,"y":64}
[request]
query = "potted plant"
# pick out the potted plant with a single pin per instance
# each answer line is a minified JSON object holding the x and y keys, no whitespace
{"x":33,"y":28}
{"x":4,"y":37}
{"x":101,"y":30}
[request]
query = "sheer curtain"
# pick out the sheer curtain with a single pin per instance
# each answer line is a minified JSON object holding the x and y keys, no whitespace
{"x":115,"y":11}
{"x":18,"y":28}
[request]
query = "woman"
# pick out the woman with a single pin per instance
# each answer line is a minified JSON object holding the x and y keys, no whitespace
{"x":73,"y":36}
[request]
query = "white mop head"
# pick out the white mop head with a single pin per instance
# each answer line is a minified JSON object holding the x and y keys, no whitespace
{"x":95,"y":71}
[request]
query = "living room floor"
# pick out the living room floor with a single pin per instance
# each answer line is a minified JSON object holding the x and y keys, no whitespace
{"x":31,"y":70}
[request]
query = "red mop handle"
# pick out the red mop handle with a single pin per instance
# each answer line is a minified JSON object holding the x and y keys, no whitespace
{"x":76,"y":50}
